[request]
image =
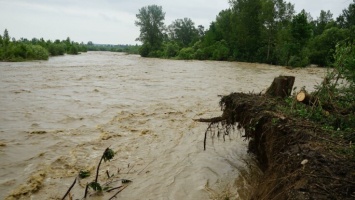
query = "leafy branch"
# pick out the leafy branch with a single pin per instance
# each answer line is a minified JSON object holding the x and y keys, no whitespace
{"x":95,"y":185}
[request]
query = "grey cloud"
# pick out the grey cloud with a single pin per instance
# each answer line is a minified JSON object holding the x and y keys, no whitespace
{"x":116,"y":17}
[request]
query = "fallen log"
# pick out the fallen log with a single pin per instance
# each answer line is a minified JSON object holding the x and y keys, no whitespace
{"x":306,"y":98}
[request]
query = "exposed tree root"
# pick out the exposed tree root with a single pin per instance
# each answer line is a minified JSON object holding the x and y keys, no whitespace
{"x":210,"y":120}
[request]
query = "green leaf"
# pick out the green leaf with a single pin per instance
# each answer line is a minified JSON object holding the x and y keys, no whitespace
{"x":84,"y":174}
{"x":95,"y":186}
{"x":108,"y":154}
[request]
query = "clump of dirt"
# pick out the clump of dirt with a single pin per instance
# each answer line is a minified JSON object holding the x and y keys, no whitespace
{"x":299,"y":159}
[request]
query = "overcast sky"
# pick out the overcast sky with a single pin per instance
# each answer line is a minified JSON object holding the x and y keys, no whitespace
{"x":112,"y":21}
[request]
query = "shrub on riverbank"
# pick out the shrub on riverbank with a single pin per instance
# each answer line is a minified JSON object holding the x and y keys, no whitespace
{"x":35,"y":49}
{"x":334,"y":99}
{"x":15,"y":52}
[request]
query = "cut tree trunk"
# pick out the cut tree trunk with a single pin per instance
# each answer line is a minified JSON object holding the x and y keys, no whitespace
{"x":306,"y":98}
{"x":281,"y":86}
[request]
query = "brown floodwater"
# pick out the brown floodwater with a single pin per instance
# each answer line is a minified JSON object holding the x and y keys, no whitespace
{"x":58,"y":116}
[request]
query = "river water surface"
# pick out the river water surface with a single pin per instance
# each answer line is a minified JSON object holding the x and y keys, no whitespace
{"x":58,"y":116}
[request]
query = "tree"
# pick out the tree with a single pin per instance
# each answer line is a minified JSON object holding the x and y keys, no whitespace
{"x":201,"y":30}
{"x":269,"y":27}
{"x":6,"y":38}
{"x":275,"y":16}
{"x":246,"y":28}
{"x":323,"y":20}
{"x":150,"y":20}
{"x":284,"y":11}
{"x":223,"y":26}
{"x":1,"y":40}
{"x":183,"y":31}
{"x":323,"y":46}
{"x":347,"y":19}
{"x":301,"y":31}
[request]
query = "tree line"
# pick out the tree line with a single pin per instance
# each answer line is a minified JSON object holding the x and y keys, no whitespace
{"x":265,"y":31}
{"x":130,"y":49}
{"x":36,"y":49}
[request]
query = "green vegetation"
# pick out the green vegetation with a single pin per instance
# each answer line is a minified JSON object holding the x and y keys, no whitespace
{"x":94,"y":185}
{"x":36,"y":49}
{"x":265,"y":31}
{"x":334,"y":99}
{"x":131,"y":49}
{"x":150,"y":20}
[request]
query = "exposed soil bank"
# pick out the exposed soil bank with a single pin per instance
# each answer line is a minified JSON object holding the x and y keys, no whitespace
{"x":299,"y":160}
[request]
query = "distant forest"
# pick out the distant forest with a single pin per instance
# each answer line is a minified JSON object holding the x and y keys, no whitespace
{"x":131,"y":49}
{"x":265,"y":31}
{"x":13,"y":50}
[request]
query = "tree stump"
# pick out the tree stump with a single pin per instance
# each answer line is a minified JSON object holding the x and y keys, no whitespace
{"x":281,"y":86}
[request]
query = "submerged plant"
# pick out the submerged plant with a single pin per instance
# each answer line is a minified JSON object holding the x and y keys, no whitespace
{"x":95,"y":185}
{"x":84,"y":174}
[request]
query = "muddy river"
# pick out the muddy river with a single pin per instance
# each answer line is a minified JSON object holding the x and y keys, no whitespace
{"x":58,"y":116}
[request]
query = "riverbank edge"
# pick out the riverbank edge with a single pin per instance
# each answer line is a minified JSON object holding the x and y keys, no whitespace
{"x":299,"y":159}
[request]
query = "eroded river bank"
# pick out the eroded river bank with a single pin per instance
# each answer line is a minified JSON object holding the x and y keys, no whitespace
{"x":58,"y":116}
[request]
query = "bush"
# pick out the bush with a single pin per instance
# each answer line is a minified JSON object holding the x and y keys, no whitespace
{"x":56,"y":49}
{"x":83,"y":48}
{"x":221,"y":51}
{"x":37,"y":52}
{"x":73,"y":50}
{"x":144,"y":50}
{"x":338,"y":95}
{"x":171,"y":50}
{"x":156,"y":54}
{"x":186,"y":53}
{"x":20,"y":52}
{"x":201,"y":55}
{"x":345,"y":61}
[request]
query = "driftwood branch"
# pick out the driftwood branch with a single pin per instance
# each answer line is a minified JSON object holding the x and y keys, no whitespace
{"x":114,"y":196}
{"x":72,"y":185}
{"x":115,"y":188}
{"x":210,"y":120}
{"x":86,"y":190}
{"x":98,"y":167}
